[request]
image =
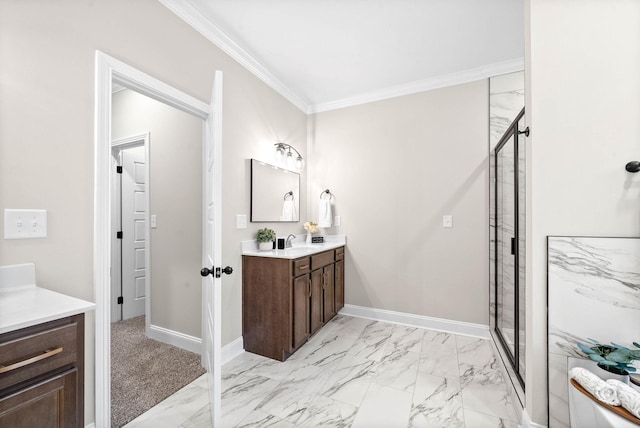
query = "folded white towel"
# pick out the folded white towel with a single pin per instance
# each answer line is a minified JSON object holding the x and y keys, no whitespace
{"x":629,"y":397}
{"x":288,"y":211}
{"x":324,"y":213}
{"x":596,"y":386}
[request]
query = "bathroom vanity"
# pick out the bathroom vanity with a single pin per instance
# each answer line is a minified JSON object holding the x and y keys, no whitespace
{"x":288,"y":295}
{"x":41,"y":353}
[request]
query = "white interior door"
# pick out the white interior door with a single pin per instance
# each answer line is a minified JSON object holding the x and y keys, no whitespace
{"x":134,"y":226}
{"x":212,"y":246}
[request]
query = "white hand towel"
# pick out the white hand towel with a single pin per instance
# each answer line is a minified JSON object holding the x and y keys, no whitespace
{"x":324,"y":213}
{"x":288,"y":211}
{"x":629,"y":397}
{"x":596,"y":386}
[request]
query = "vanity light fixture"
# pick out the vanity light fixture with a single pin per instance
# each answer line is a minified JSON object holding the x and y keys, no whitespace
{"x":285,"y":157}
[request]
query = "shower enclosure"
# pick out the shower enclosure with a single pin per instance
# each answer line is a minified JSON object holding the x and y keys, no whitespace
{"x":508,"y":276}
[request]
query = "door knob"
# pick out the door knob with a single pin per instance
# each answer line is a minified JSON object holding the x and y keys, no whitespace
{"x":206,"y":271}
{"x":216,"y":272}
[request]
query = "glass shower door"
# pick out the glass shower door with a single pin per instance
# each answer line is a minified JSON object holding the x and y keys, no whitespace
{"x":509,"y":240}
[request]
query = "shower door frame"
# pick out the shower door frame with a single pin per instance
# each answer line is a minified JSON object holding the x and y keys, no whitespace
{"x":514,"y":357}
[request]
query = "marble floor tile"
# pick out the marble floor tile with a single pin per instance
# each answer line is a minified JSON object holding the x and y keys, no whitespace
{"x":202,"y":419}
{"x":489,"y":399}
{"x":354,"y":372}
{"x":350,"y":381}
{"x":240,"y":395}
{"x":439,"y":360}
{"x":260,"y":419}
{"x":174,"y":410}
{"x":294,"y":394}
{"x":436,"y":402}
{"x":325,"y":351}
{"x":397,"y":370}
{"x":474,"y":351}
{"x":383,"y":407}
{"x":473,"y":419}
{"x":439,"y":338}
{"x":325,"y":412}
{"x":407,"y":338}
{"x":371,"y":344}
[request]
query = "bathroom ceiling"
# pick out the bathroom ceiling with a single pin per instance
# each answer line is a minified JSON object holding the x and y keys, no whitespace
{"x":324,"y":54}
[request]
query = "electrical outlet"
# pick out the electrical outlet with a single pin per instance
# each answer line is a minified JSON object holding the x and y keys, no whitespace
{"x":337,"y":221}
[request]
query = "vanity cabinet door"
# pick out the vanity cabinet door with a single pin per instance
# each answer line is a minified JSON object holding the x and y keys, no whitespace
{"x":50,"y":403}
{"x":339,"y":285}
{"x":316,"y":299}
{"x":328,"y":293}
{"x":301,"y":294}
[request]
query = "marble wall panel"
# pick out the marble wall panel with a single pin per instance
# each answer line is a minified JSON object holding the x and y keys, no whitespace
{"x":593,"y":292}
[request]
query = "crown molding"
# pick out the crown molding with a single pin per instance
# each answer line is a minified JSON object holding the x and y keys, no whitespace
{"x":445,"y":80}
{"x":195,"y":19}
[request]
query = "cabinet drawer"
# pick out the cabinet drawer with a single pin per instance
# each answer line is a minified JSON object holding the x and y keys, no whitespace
{"x":36,"y":351}
{"x":322,"y":259}
{"x":301,"y":266}
{"x":340,"y":253}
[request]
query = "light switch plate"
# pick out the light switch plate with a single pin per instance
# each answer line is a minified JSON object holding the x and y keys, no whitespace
{"x":154,"y":221}
{"x":23,"y":224}
{"x":241,"y":221}
{"x":447,"y":221}
{"x":337,"y":221}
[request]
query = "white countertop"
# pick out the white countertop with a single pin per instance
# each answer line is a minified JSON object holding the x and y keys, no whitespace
{"x":23,"y":304}
{"x":299,"y":248}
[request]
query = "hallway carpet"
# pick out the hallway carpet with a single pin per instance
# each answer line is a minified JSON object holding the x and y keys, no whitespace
{"x":144,"y":371}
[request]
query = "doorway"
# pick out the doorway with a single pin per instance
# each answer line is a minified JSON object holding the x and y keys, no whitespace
{"x":110,"y":71}
{"x":509,"y":271}
{"x":130,"y":248}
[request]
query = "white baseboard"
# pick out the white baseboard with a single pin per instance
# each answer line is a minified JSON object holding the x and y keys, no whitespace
{"x":232,"y":350}
{"x":180,"y":340}
{"x":91,"y":425}
{"x":440,"y":324}
{"x":526,"y":421}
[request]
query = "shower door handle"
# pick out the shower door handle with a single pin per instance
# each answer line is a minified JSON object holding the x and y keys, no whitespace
{"x":513,"y":246}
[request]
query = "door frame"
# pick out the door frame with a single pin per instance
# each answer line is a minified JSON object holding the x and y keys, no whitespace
{"x":109,"y":70}
{"x":117,"y":146}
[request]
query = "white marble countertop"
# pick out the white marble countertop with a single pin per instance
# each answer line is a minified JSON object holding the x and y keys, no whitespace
{"x":299,"y":249}
{"x":23,"y":304}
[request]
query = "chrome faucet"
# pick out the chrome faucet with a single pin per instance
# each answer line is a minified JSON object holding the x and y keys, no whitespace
{"x":289,"y":238}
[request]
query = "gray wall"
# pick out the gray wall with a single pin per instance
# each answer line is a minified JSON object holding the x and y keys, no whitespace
{"x":47,"y":127}
{"x":175,"y":197}
{"x":581,"y":69}
{"x":396,"y":167}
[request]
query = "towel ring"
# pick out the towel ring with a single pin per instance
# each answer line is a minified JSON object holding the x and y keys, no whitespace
{"x":289,"y":193}
{"x":327,"y":192}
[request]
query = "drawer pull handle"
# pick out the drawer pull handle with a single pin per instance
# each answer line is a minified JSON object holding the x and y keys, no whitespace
{"x":303,"y":267}
{"x":47,"y":354}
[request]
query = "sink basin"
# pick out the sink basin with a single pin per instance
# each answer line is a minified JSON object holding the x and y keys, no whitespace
{"x":299,"y":251}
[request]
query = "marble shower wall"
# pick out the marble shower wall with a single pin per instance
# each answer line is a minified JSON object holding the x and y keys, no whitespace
{"x":506,"y":99}
{"x":593,"y":292}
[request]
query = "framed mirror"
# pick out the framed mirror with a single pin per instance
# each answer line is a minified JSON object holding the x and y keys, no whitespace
{"x":275,"y":193}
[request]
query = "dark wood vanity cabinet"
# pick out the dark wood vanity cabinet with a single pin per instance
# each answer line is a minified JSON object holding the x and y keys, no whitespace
{"x":42,"y":375}
{"x":284,"y":301}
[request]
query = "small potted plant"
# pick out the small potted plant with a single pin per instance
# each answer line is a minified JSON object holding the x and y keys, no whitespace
{"x":613,"y":358}
{"x":265,"y":238}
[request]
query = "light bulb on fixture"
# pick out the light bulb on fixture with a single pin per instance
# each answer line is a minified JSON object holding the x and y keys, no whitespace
{"x":286,"y":159}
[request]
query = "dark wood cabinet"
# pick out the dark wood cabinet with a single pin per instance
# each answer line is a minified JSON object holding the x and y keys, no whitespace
{"x":339,"y":279}
{"x":284,"y":301}
{"x":42,"y":375}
